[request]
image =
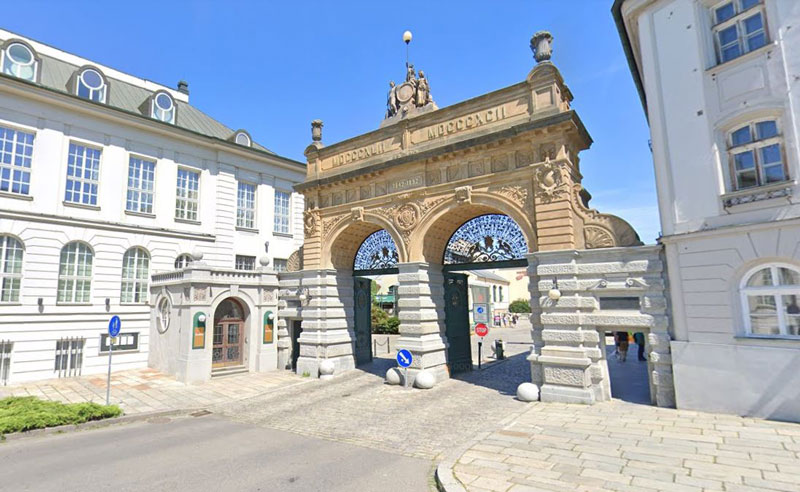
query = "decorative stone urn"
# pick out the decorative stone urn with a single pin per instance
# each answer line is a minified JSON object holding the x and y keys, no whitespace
{"x":316,"y":130}
{"x":542,"y":46}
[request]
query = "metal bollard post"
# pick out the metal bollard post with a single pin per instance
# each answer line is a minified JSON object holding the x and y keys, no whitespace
{"x":374,"y":348}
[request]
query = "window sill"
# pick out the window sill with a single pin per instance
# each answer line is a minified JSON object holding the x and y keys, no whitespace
{"x":134,"y":303}
{"x":187,"y":221}
{"x":721,"y":67}
{"x":73,"y":303}
{"x":127,"y":351}
{"x":758,"y":193}
{"x":246,"y":229}
{"x":140,"y":214}
{"x":12,"y":304}
{"x":18,"y":196}
{"x":753,"y":336}
{"x":80,"y":205}
{"x":283,"y":234}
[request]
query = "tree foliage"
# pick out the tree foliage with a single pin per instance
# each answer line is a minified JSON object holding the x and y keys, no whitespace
{"x":520,"y":306}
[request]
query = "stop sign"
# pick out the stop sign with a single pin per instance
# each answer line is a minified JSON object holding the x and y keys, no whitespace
{"x":481,"y":330}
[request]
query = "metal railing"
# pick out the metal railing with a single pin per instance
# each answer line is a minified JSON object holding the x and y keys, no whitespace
{"x":6,"y":346}
{"x":69,"y":356}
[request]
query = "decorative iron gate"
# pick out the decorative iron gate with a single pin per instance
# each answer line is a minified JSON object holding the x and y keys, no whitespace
{"x":456,"y":319}
{"x":363,"y":319}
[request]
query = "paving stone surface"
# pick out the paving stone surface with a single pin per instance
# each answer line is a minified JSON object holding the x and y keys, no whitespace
{"x":621,"y":446}
{"x":147,"y":390}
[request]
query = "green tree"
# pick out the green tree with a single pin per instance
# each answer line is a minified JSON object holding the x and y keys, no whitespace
{"x":520,"y":306}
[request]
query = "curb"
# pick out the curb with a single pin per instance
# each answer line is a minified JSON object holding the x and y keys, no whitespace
{"x":94,"y":424}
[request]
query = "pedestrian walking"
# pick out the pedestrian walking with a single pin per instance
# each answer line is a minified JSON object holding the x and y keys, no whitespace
{"x":621,"y":337}
{"x":638,"y":337}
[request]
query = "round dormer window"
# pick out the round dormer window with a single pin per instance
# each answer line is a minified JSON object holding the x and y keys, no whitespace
{"x":20,"y":54}
{"x":163,"y":107}
{"x":92,"y":79}
{"x":20,"y":62}
{"x":243,"y":139}
{"x":92,"y":85}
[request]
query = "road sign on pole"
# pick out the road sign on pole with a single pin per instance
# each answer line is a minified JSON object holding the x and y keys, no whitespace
{"x":481,"y":330}
{"x":114,"y":325}
{"x":404,"y":359}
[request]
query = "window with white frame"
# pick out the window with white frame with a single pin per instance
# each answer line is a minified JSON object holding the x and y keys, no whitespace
{"x":739,"y":27}
{"x":16,"y":150}
{"x":163,"y":108}
{"x":11,"y":252}
{"x":124,"y":341}
{"x":246,"y":206}
{"x":281,"y":265}
{"x":245,"y":262}
{"x":19,"y":61}
{"x":187,"y":195}
{"x":141,"y":183}
{"x":282,"y":211}
{"x":90,"y":84}
{"x":183,"y":261}
{"x":242,"y":138}
{"x":135,"y":273}
{"x":75,"y":273}
{"x":770,"y":300}
{"x":755,"y":153}
{"x":83,"y":174}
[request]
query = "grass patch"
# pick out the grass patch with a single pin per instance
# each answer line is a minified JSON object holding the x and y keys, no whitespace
{"x":19,"y":414}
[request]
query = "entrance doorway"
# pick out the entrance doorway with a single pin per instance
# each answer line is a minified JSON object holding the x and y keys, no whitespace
{"x":457,"y":329}
{"x":297,"y":329}
{"x":228,"y":338}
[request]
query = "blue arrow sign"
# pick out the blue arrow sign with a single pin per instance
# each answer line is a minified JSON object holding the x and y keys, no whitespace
{"x":404,"y":358}
{"x":114,"y":324}
{"x":480,"y":309}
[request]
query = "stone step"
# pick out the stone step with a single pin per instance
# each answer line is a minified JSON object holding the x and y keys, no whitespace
{"x":228,"y":371}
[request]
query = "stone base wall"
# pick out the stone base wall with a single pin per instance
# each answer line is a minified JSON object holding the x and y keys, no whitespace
{"x":568,"y":360}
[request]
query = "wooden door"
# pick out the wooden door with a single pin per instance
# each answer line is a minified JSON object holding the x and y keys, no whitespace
{"x":228,"y":341}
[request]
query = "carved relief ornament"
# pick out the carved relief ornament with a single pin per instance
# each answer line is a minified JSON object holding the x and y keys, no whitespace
{"x":310,"y":220}
{"x":549,"y":182}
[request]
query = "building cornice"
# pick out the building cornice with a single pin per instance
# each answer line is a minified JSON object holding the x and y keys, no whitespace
{"x":24,"y":88}
{"x":729,"y":230}
{"x":105,"y":225}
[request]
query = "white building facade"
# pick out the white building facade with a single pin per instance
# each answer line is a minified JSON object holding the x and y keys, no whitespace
{"x":106,"y":182}
{"x":720,"y":82}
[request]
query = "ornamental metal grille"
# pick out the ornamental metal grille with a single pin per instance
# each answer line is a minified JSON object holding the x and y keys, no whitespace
{"x":486,"y":238}
{"x":378,"y":251}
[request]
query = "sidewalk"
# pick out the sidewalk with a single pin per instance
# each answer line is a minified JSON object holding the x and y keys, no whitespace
{"x":147,"y":390}
{"x":622,"y":446}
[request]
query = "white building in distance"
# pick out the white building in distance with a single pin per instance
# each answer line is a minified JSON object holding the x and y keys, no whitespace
{"x":720,"y":83}
{"x":107,"y":179}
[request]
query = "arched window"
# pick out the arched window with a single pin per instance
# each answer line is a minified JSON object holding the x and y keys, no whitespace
{"x":377,"y":252}
{"x":75,"y":273}
{"x":91,"y":85}
{"x":10,"y":268}
{"x":242,"y":138}
{"x":486,"y":238}
{"x":163,"y":107}
{"x":19,"y":61}
{"x":770,"y":300}
{"x":183,"y":261}
{"x":494,"y":293}
{"x":135,"y":273}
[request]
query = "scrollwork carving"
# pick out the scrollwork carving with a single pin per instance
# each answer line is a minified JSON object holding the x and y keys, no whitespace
{"x":310,"y":220}
{"x":550,"y":183}
{"x":597,"y":237}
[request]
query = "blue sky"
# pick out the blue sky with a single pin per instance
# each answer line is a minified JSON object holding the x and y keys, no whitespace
{"x":272,"y":67}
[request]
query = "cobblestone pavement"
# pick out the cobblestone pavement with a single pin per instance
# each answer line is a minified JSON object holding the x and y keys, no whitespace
{"x":623,"y":446}
{"x":357,"y":407}
{"x":147,"y":390}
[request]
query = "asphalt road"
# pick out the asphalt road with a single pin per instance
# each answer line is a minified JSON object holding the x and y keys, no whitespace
{"x":202,"y":453}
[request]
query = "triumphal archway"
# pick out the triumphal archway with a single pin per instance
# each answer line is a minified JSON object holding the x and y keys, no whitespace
{"x":395,"y":199}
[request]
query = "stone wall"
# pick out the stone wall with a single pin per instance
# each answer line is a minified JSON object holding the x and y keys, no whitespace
{"x":568,"y":360}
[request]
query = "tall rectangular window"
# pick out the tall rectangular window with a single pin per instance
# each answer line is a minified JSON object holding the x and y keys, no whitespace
{"x":246,"y":206}
{"x":282,"y":212}
{"x":141,"y":182}
{"x":756,"y":155}
{"x":16,"y":149}
{"x":83,"y":174}
{"x":187,"y":195}
{"x":245,"y":262}
{"x":739,"y":28}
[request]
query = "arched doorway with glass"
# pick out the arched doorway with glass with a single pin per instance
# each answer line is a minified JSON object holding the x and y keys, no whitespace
{"x":228,"y":339}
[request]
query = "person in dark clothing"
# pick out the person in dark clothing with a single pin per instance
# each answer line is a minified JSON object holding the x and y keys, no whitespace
{"x":621,"y":337}
{"x":638,"y":337}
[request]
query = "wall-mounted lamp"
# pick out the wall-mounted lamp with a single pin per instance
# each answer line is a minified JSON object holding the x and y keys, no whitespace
{"x":270,"y":316}
{"x":554,"y":294}
{"x":304,"y":295}
{"x":40,"y":302}
{"x":201,"y":318}
{"x":108,"y":303}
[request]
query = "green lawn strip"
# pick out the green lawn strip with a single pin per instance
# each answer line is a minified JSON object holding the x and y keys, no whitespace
{"x":19,"y":414}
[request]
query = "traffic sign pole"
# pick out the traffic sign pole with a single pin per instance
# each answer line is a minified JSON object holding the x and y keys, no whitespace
{"x":114,"y":325}
{"x":404,"y":359}
{"x":481,"y":330}
{"x":480,"y":344}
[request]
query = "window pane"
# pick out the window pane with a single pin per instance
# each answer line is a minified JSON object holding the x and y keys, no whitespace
{"x":725,"y":12}
{"x":756,"y":41}
{"x":761,"y":278}
{"x":774,"y":174}
{"x":746,"y":4}
{"x":763,"y":315}
{"x":753,"y":24}
{"x":787,"y":276}
{"x":792,"y":314}
{"x":746,"y":179}
{"x":741,"y":136}
{"x":766,"y":129}
{"x":744,"y":160}
{"x":728,"y":35}
{"x":771,"y":154}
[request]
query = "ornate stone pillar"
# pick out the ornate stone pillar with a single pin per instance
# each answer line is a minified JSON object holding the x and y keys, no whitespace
{"x":327,"y":311}
{"x":536,"y":321}
{"x":422,"y":330}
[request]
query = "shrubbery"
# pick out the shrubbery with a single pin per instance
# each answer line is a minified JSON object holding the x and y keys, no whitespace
{"x":520,"y":306}
{"x":26,"y":413}
{"x":383,"y":323}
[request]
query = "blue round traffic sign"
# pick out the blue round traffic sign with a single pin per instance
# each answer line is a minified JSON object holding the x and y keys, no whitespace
{"x":404,"y":358}
{"x":114,"y":324}
{"x":480,"y":309}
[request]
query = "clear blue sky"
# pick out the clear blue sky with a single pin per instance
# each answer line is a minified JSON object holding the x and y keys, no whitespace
{"x":272,"y":67}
